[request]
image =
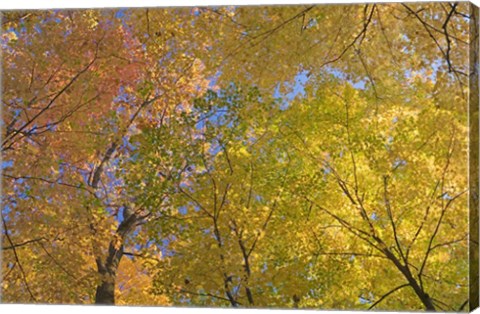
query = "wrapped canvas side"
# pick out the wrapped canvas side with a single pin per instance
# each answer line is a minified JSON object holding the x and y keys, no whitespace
{"x":473,"y":175}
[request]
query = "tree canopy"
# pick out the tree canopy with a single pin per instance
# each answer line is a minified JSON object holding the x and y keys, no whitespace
{"x":307,"y":156}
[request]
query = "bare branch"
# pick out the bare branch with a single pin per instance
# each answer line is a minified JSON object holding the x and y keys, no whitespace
{"x":208,"y":295}
{"x":52,"y":101}
{"x":17,"y":259}
{"x":392,"y":221}
{"x":387,"y":294}
{"x":50,"y":181}
{"x":437,"y":227}
{"x":360,"y":36}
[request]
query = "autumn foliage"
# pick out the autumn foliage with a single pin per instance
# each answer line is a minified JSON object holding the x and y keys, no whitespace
{"x":309,"y":156}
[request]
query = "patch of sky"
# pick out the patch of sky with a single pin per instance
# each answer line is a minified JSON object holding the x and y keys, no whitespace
{"x":120,"y":109}
{"x":363,"y":300}
{"x":136,"y":232}
{"x":61,"y":168}
{"x":86,"y":174}
{"x":12,"y":30}
{"x":274,"y":289}
{"x":6,"y":209}
{"x":183,"y":185}
{"x":120,"y":13}
{"x":164,"y":246}
{"x":311,"y":23}
{"x":119,"y":213}
{"x":213,"y":80}
{"x":264,"y":268}
{"x":447,"y":196}
{"x":184,"y":299}
{"x":405,"y":38}
{"x":374,"y":216}
{"x":52,"y":18}
{"x":236,"y":289}
{"x":216,"y":117}
{"x":113,"y":164}
{"x":7,"y":164}
{"x":215,"y":148}
{"x":182,"y":210}
{"x":51,"y":127}
{"x":67,"y":33}
{"x":25,"y":194}
{"x":436,"y":64}
{"x":399,"y":163}
{"x":433,"y":67}
{"x":297,"y":88}
{"x":126,"y":144}
{"x":37,"y":28}
{"x":4,"y":41}
{"x":167,"y":57}
{"x":122,"y":95}
{"x":360,"y":84}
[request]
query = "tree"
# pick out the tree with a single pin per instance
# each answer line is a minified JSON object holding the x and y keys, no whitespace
{"x":71,"y":119}
{"x":182,"y":139}
{"x":313,"y":181}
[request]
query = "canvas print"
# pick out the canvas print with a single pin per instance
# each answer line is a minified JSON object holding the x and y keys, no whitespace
{"x":314,"y":156}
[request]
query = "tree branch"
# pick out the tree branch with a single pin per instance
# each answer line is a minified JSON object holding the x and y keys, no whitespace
{"x":387,"y":294}
{"x":17,"y":259}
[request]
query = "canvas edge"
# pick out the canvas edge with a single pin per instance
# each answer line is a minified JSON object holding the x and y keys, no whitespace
{"x":473,"y":159}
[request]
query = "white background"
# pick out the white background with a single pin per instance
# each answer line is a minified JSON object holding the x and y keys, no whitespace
{"x":45,"y":4}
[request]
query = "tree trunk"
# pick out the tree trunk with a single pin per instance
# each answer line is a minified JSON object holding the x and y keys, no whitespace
{"x":107,"y":267}
{"x":105,"y":293}
{"x":422,"y":295}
